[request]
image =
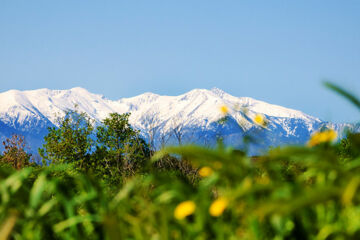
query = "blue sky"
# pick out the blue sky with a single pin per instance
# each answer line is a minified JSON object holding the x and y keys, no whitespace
{"x":276,"y":51}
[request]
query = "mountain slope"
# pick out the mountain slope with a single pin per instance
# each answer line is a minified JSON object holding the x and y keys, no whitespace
{"x":190,"y":117}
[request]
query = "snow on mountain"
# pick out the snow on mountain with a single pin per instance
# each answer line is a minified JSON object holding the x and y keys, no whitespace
{"x":196,"y":113}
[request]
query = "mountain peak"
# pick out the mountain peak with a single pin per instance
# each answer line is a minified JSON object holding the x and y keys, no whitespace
{"x":205,"y":92}
{"x":218,"y":91}
{"x":79,"y":89}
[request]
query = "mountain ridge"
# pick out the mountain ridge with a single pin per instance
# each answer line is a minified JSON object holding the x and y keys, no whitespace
{"x":196,"y":113}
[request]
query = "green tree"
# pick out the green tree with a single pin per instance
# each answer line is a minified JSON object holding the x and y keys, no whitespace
{"x":349,"y":147}
{"x":120,"y":150}
{"x":70,"y":142}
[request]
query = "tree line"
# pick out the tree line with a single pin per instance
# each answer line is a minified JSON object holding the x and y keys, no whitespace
{"x":112,"y":150}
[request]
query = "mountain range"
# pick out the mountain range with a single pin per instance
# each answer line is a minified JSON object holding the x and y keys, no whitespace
{"x":193,"y":117}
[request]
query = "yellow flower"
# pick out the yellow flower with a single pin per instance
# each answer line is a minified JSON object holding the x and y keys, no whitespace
{"x":321,"y":137}
{"x":331,"y":135}
{"x":259,"y":119}
{"x":205,"y":171}
{"x":218,"y":206}
{"x":224,"y":109}
{"x":184,"y":209}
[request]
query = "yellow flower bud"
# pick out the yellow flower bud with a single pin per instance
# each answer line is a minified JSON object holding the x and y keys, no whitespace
{"x":205,"y":171}
{"x":224,"y":109}
{"x":259,"y":119}
{"x":218,"y":206}
{"x":321,"y":137}
{"x":184,"y":209}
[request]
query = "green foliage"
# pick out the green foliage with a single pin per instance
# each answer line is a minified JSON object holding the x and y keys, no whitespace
{"x":346,"y":147}
{"x":120,"y":149}
{"x":70,"y":142}
{"x":117,"y":151}
{"x":37,"y":205}
{"x":289,"y":193}
{"x":295,"y":192}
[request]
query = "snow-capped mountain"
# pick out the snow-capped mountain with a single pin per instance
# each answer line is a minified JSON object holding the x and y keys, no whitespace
{"x":191,"y":117}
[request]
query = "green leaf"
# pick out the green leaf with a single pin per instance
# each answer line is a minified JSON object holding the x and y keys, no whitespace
{"x":37,"y":190}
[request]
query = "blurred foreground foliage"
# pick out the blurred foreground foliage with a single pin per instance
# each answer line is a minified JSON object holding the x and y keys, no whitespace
{"x":189,"y":192}
{"x":290,"y":193}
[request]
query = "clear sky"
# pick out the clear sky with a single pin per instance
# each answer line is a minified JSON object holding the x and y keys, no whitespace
{"x":275,"y":51}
